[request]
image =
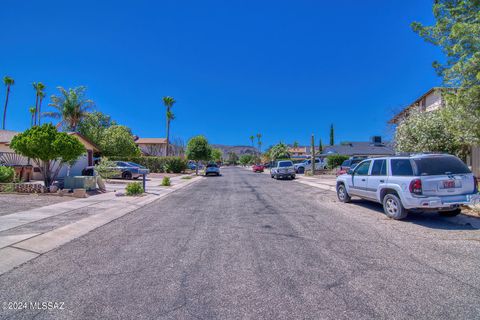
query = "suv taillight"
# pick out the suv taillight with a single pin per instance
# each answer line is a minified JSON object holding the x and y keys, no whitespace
{"x":416,"y":187}
{"x":475,"y":184}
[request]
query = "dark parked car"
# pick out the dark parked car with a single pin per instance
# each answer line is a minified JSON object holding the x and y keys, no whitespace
{"x":348,"y":164}
{"x":128,"y":170}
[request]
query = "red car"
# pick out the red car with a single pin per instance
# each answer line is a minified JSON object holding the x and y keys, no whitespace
{"x":258,"y":168}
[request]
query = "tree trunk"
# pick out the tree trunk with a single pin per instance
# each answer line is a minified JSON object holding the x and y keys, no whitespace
{"x":5,"y":108}
{"x":40,"y":110}
{"x":36,"y":109}
{"x":168,"y":132}
{"x":196,"y":168}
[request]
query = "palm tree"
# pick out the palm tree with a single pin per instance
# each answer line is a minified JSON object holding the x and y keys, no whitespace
{"x":41,"y":95}
{"x":295,"y":144}
{"x":71,"y":105}
{"x":32,"y":112}
{"x":8,"y":82}
{"x":259,"y":142}
{"x":168,"y":102}
{"x":38,"y":87}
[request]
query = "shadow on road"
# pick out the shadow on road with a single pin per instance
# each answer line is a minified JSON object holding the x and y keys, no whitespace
{"x":426,"y":219}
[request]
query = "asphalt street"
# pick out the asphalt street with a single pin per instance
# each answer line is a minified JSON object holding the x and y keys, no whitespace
{"x":245,"y":246}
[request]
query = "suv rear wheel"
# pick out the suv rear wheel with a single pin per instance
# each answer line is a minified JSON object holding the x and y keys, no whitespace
{"x":342,"y":193}
{"x":393,"y":207}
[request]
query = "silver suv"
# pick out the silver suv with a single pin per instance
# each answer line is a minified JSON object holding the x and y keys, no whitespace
{"x":282,"y":169}
{"x":425,"y":182}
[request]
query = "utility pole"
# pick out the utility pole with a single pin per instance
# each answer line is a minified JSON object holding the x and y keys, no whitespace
{"x":312,"y":151}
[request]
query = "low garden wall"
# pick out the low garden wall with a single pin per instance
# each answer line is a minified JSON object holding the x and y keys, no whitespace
{"x":22,"y":187}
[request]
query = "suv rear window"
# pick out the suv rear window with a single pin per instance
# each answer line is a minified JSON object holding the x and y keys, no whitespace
{"x":285,"y":164}
{"x":433,"y":166}
{"x":401,"y":167}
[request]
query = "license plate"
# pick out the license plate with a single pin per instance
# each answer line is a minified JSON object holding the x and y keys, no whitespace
{"x":449,"y":184}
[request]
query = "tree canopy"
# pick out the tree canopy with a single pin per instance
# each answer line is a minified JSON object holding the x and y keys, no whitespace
{"x":94,"y":125}
{"x":118,"y":141}
{"x":279,"y":151}
{"x":198,"y":149}
{"x":216,"y":154}
{"x":46,"y":146}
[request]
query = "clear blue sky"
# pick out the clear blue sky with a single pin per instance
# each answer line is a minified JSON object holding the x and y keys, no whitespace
{"x":282,"y":68}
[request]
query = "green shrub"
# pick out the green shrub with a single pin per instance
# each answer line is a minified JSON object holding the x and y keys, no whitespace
{"x":134,"y":189}
{"x":7,"y":187}
{"x":335,"y":160}
{"x":175,"y":165}
{"x":7,"y":174}
{"x":166,"y":182}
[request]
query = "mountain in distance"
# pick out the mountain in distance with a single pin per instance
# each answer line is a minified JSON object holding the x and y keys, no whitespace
{"x":239,"y":150}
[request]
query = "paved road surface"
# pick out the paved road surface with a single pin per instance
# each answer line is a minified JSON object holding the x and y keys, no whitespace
{"x":244,"y":246}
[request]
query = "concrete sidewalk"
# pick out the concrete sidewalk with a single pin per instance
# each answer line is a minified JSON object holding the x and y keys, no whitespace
{"x":28,"y":234}
{"x":321,"y":182}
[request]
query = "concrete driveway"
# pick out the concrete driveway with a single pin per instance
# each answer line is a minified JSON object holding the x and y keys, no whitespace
{"x":245,"y":246}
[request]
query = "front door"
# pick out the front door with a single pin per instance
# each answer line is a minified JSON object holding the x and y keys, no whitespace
{"x":360,"y":179}
{"x":90,"y":157}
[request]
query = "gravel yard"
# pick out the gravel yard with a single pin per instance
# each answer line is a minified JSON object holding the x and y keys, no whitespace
{"x":11,"y":203}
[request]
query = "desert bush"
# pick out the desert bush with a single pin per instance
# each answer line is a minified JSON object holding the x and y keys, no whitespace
{"x":134,"y":189}
{"x":7,"y":174}
{"x":175,"y":165}
{"x":335,"y":160}
{"x":166,"y":182}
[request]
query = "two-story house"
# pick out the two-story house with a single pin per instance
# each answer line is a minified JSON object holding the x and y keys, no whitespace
{"x":430,"y":101}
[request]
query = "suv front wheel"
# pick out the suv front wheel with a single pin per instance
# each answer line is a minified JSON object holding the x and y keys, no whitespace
{"x":342,"y":193}
{"x":393,"y":207}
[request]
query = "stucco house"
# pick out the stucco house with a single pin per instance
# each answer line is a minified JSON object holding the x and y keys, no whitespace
{"x":430,"y":101}
{"x":152,"y":146}
{"x":374,"y":148}
{"x":9,"y":157}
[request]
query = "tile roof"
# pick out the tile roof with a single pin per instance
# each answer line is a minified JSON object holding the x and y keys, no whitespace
{"x":359,"y":148}
{"x":7,"y":135}
{"x":151,"y":140}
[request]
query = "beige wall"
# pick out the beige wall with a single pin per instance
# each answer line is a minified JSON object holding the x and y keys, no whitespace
{"x":473,"y":161}
{"x":153,"y":149}
{"x":5,"y":148}
{"x":433,"y":101}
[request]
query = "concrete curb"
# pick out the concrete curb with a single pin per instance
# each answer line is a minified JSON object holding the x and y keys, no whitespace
{"x":20,"y":250}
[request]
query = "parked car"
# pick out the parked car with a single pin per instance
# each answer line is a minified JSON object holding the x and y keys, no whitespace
{"x":307,"y":165}
{"x":212,"y":169}
{"x":282,"y":169}
{"x":426,"y":182}
{"x":348,"y":164}
{"x":191,"y":166}
{"x":128,"y":170}
{"x":258,"y":168}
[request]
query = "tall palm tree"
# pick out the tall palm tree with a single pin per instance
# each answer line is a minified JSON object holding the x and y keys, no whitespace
{"x":252,"y":139}
{"x":38,"y":87}
{"x":168,"y":102}
{"x":71,"y":107}
{"x":41,"y":95}
{"x":259,"y":142}
{"x":8,"y":82}
{"x":32,"y":112}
